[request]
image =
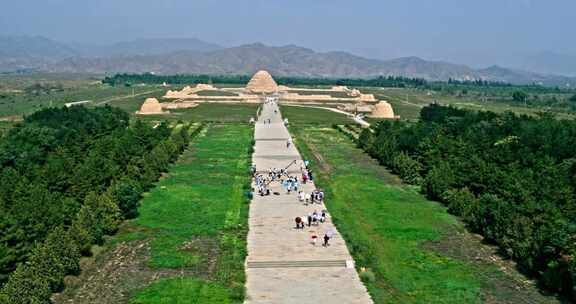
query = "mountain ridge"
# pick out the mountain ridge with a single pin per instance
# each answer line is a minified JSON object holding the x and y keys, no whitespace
{"x":194,"y":56}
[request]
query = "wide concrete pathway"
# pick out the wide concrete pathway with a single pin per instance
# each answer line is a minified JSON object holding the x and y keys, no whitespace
{"x":282,"y":265}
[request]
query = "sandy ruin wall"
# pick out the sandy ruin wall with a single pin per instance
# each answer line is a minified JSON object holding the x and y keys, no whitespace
{"x":383,"y":110}
{"x":150,"y":106}
{"x":178,"y":105}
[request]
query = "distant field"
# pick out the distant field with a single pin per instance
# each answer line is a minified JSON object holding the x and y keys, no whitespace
{"x":216,"y":112}
{"x":215,"y":93}
{"x":330,"y":93}
{"x":67,"y":80}
{"x":408,"y":102}
{"x":228,"y":85}
{"x":133,"y":104}
{"x":302,"y":115}
{"x":413,"y":249}
{"x":23,"y":104}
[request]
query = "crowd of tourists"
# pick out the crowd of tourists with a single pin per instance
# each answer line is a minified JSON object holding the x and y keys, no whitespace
{"x":293,"y":184}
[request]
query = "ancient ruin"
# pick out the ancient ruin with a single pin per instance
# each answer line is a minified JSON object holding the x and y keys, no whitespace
{"x":383,"y":110}
{"x":150,"y":106}
{"x":262,"y":82}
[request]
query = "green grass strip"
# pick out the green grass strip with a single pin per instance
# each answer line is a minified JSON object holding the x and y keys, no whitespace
{"x":196,"y":219}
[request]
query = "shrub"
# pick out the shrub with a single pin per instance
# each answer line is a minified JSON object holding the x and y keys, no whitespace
{"x":367,"y":276}
{"x":126,"y":193}
{"x":407,"y":168}
{"x":459,"y":201}
{"x":519,"y":96}
{"x":438,"y":180}
{"x":105,"y":212}
{"x":83,"y":232}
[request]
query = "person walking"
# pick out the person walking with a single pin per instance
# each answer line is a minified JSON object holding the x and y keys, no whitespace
{"x":299,"y":223}
{"x":309,"y":218}
{"x":326,"y":239}
{"x":315,"y":218}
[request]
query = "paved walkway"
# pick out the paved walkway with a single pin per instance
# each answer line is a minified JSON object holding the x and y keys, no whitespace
{"x":282,"y":264}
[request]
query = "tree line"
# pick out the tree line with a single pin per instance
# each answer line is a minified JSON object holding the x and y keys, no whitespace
{"x":389,"y":81}
{"x":452,"y":85}
{"x":512,"y":178}
{"x":68,"y":176}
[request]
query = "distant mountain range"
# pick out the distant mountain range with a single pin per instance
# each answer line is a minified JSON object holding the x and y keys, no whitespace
{"x":145,"y":47}
{"x":181,"y":56}
{"x":551,"y":63}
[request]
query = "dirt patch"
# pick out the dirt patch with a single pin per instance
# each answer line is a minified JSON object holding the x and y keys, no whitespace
{"x":208,"y":250}
{"x":12,"y":118}
{"x":503,"y":284}
{"x":117,"y":272}
{"x":110,"y":277}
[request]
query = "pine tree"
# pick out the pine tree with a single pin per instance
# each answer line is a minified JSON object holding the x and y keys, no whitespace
{"x":27,"y":286}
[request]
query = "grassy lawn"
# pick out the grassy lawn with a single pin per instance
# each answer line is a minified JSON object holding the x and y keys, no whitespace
{"x":329,"y":93}
{"x":215,"y":93}
{"x":183,"y":290}
{"x":301,"y":115}
{"x":213,"y":112}
{"x":417,"y":252}
{"x":132,"y":104}
{"x":197,"y":220}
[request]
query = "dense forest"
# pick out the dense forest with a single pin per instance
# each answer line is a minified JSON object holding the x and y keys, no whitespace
{"x":68,"y":176}
{"x":390,"y":81}
{"x":512,"y":178}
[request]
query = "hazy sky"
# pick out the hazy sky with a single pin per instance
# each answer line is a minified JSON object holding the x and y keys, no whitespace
{"x":477,"y":32}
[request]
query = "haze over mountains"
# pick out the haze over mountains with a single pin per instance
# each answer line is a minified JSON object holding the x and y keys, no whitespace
{"x":171,"y":56}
